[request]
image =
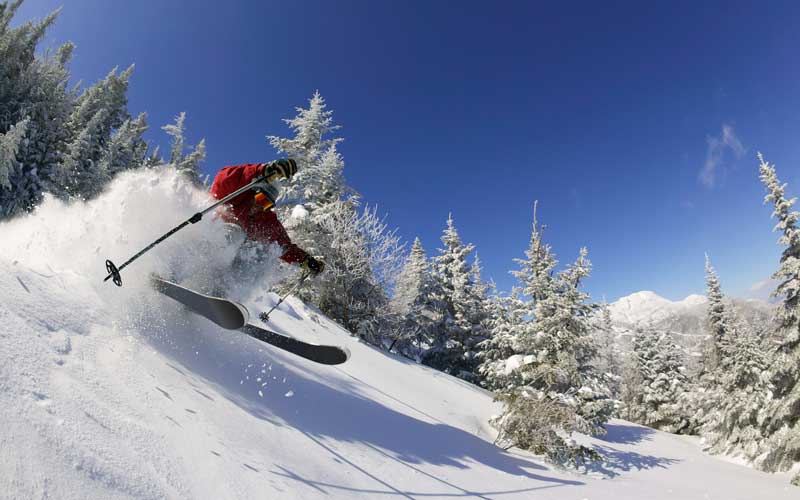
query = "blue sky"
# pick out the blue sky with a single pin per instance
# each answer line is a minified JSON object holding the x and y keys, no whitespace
{"x":635,"y":125}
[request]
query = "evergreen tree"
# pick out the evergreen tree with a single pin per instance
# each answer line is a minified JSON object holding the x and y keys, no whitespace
{"x":362,"y":255}
{"x":187,"y":164}
{"x":506,"y":317}
{"x":655,"y":382}
{"x":97,"y":112}
{"x":414,"y":302}
{"x":319,"y":179}
{"x":717,"y":317}
{"x":126,"y":149}
{"x":64,"y":149}
{"x":414,"y":281}
{"x":632,"y":382}
{"x":81,"y":174}
{"x":550,"y":386}
{"x":480,"y":316}
{"x":567,"y":350}
{"x":608,"y":357}
{"x":705,"y":394}
{"x":9,"y":147}
{"x":535,"y":273}
{"x":32,"y":91}
{"x":454,"y":347}
{"x":784,"y":418}
{"x":734,"y":423}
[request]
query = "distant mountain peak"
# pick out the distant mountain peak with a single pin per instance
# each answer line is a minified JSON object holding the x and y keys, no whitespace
{"x":694,"y":299}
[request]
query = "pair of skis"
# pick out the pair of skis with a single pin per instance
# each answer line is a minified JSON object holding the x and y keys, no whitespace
{"x":234,"y":316}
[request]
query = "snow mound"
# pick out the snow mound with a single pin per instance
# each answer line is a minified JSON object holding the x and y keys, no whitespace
{"x":111,"y":393}
{"x":299,"y":212}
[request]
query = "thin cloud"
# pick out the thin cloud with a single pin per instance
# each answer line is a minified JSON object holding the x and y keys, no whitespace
{"x":762,"y":289}
{"x":718,"y":146}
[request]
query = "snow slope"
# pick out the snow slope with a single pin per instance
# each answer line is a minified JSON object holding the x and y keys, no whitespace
{"x":112,"y":392}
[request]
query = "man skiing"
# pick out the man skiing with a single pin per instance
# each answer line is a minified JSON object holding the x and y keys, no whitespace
{"x":252,"y":211}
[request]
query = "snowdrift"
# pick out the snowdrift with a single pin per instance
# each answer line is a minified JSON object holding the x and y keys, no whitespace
{"x":110,"y":392}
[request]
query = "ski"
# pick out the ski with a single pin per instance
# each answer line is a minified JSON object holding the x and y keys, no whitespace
{"x":323,"y":354}
{"x":223,"y":312}
{"x":234,"y":316}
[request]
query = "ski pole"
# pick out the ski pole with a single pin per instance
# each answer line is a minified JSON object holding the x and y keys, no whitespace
{"x":265,"y":316}
{"x":113,"y":271}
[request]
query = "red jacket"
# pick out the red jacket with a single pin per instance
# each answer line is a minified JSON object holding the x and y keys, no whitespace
{"x":259,"y":224}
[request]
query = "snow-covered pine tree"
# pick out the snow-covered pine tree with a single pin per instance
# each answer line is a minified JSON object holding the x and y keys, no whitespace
{"x":414,"y":280}
{"x":9,"y":147}
{"x":535,"y":273}
{"x":480,"y":316}
{"x":34,"y":89}
{"x":362,"y":255}
{"x":349,"y":290}
{"x":734,"y":423}
{"x":81,"y":169}
{"x":67,"y":132}
{"x":717,"y":317}
{"x":319,"y":179}
{"x":317,"y":158}
{"x":506,"y":317}
{"x":551,"y":388}
{"x":638,"y":373}
{"x":331,"y":229}
{"x":126,"y":149}
{"x":154,"y":159}
{"x":455,"y":344}
{"x":562,"y":322}
{"x":187,"y":164}
{"x":704,"y":394}
{"x":345,"y":290}
{"x":608,"y":358}
{"x":514,"y":328}
{"x":631,"y":391}
{"x":97,"y":112}
{"x":414,"y":304}
{"x":383,"y":251}
{"x":654,"y":381}
{"x":784,"y":417}
{"x":668,"y":387}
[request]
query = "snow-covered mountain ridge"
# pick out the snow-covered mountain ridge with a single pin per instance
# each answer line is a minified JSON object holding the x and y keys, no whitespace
{"x":641,"y":308}
{"x":646,"y":306}
{"x":685,"y":319}
{"x":113,"y":393}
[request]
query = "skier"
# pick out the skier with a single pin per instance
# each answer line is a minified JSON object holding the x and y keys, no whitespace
{"x":252,"y":211}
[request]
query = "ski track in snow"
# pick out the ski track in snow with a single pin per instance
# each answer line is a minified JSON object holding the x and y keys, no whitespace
{"x":110,"y":392}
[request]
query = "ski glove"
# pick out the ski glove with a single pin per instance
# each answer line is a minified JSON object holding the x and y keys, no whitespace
{"x":313,"y":265}
{"x":285,"y":168}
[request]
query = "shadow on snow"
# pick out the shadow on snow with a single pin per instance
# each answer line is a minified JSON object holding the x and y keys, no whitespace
{"x":626,"y":434}
{"x":331,"y":409}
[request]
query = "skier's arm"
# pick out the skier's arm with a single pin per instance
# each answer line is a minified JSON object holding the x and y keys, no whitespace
{"x":274,"y":231}
{"x":231,"y":178}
